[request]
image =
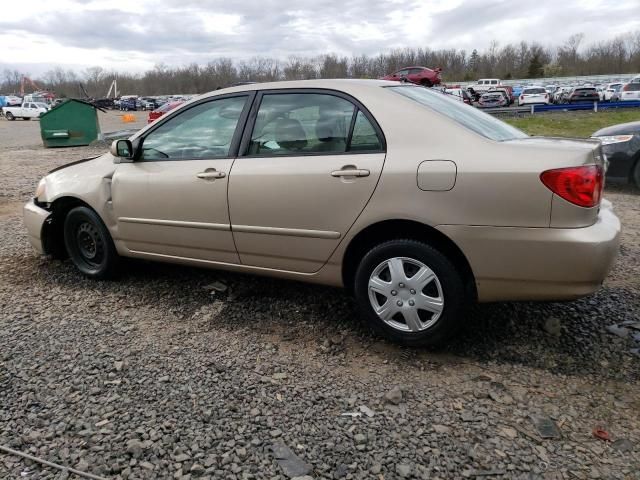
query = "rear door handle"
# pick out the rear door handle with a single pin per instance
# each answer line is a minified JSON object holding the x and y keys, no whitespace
{"x":211,"y":174}
{"x":352,"y":172}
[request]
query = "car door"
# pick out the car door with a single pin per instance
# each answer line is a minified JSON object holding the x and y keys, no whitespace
{"x":303,"y":177}
{"x":172,"y":200}
{"x":415,"y":75}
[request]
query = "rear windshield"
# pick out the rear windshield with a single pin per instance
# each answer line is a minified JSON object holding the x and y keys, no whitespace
{"x":586,"y":90}
{"x":534,"y":90}
{"x":469,"y":117}
{"x":632,"y":87}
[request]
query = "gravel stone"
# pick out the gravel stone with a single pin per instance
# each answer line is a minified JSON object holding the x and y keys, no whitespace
{"x":403,"y":470}
{"x":394,"y":396}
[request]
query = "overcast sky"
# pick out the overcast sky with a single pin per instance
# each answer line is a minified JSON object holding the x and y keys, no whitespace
{"x":134,"y":35}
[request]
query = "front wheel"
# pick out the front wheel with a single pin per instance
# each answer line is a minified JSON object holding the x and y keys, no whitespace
{"x":89,"y":244}
{"x":9,"y":116}
{"x":410,"y":293}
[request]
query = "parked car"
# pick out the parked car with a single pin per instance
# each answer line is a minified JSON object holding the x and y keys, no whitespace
{"x":410,"y":199}
{"x":494,"y":98}
{"x":508,"y":91}
{"x":582,"y":94}
{"x":459,"y":94}
{"x":630,"y":91}
{"x":128,"y":104}
{"x":160,"y":111}
{"x":26,"y":111}
{"x":483,"y":85}
{"x":421,"y":75}
{"x":621,"y":145}
{"x":533,"y":96}
{"x":610,"y":91}
{"x":13,"y":101}
{"x":147,"y":103}
{"x":517,"y":90}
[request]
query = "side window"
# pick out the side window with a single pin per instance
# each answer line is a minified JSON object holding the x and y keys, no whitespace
{"x":201,"y":132}
{"x":494,"y":82}
{"x":415,"y":71}
{"x":301,"y":123}
{"x":364,"y":136}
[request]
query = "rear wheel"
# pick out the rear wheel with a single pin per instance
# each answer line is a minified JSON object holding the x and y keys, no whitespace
{"x":9,"y":116}
{"x":26,"y":118}
{"x":410,"y":293}
{"x":425,"y":82}
{"x":89,"y":244}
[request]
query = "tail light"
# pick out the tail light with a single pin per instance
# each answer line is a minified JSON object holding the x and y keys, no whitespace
{"x":581,"y":186}
{"x":626,"y":88}
{"x":521,"y":97}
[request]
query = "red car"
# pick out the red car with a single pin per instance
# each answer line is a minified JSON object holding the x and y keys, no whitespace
{"x":420,"y":75}
{"x":158,"y":112}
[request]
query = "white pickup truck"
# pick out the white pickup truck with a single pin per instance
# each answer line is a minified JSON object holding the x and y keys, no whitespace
{"x":26,"y":111}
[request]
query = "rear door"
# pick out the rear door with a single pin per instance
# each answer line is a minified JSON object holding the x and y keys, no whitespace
{"x":311,"y":161}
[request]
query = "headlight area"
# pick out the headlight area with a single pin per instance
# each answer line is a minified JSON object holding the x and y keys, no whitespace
{"x":40,"y":197}
{"x":611,"y":139}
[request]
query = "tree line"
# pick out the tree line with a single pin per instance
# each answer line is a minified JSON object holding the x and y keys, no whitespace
{"x":523,"y":60}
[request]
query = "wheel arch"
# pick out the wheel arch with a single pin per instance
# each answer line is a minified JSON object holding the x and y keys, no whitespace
{"x":53,"y":229}
{"x":386,"y":230}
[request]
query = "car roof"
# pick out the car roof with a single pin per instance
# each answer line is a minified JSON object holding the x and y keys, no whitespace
{"x":344,"y":84}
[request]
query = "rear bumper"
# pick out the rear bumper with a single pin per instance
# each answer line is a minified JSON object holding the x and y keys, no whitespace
{"x":511,"y":263}
{"x":34,"y":219}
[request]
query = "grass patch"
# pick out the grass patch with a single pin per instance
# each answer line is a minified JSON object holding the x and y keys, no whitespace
{"x":580,"y":124}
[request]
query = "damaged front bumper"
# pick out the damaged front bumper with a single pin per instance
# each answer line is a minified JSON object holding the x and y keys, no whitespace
{"x":35,"y":218}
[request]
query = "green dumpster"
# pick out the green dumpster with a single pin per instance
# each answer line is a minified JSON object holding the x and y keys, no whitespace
{"x":69,"y":124}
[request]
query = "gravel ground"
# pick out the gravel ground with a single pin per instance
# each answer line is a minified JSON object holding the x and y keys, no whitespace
{"x":155,"y":376}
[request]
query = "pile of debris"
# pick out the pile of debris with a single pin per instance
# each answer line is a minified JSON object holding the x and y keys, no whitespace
{"x":629,"y":329}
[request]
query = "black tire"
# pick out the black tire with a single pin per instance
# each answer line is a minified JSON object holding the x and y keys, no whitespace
{"x":635,"y":174}
{"x":426,"y":83}
{"x":456,"y":297}
{"x":26,"y":119}
{"x":9,"y":116}
{"x":89,"y":244}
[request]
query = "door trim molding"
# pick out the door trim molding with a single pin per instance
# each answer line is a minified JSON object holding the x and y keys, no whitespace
{"x":291,"y":232}
{"x":176,"y":223}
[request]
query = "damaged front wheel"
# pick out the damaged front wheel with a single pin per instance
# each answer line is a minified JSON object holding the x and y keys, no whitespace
{"x":89,"y":244}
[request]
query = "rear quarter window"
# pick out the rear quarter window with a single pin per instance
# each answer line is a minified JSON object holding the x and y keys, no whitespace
{"x":465,"y":115}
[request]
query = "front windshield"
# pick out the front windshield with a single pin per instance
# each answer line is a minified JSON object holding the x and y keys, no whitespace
{"x":467,"y":116}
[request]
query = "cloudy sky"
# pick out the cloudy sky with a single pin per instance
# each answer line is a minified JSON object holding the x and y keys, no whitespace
{"x":134,"y":35}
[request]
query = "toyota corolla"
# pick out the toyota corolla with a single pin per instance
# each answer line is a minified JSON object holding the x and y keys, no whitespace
{"x":416,"y":203}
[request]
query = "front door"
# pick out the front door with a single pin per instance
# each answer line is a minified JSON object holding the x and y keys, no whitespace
{"x":311,"y":162}
{"x":172,"y":201}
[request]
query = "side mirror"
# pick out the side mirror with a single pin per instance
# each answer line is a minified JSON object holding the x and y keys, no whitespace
{"x":122,"y":149}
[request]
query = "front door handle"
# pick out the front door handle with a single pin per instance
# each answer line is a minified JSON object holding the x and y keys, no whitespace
{"x":211,"y":174}
{"x":350,"y":172}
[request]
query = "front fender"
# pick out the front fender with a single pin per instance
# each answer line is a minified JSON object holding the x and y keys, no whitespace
{"x":88,"y":181}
